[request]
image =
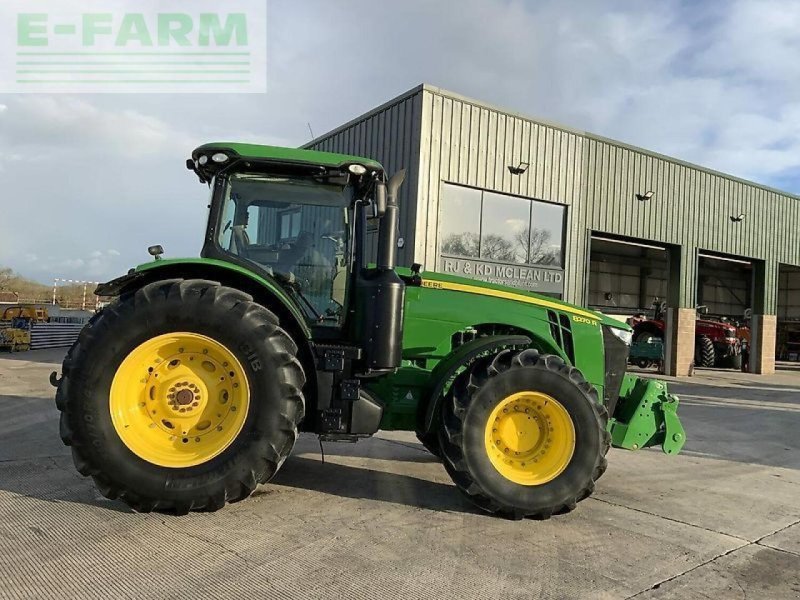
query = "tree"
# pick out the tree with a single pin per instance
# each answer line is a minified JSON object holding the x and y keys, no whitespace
{"x":6,"y":278}
{"x":461,"y":244}
{"x":541,"y":252}
{"x":496,"y":247}
{"x":513,"y":249}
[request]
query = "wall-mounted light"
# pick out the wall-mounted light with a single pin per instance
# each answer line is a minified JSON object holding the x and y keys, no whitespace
{"x":738,"y":218}
{"x":519,"y":169}
{"x":646,"y":196}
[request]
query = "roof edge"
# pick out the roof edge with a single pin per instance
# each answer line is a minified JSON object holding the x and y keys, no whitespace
{"x":370,"y":113}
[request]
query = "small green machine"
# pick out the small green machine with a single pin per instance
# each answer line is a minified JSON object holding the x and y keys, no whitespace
{"x":191,"y":387}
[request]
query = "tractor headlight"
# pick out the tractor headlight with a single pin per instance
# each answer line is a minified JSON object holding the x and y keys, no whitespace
{"x":202,"y":160}
{"x":357,"y":169}
{"x":219,"y":157}
{"x":623,"y":334}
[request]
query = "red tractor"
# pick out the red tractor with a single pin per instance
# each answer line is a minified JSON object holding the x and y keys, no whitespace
{"x":716,"y":342}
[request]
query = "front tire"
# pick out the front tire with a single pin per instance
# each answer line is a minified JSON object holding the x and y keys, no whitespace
{"x":222,"y":417}
{"x":706,"y":354}
{"x":524,"y":435}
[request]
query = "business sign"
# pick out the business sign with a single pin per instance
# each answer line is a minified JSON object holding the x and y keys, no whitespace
{"x":155,"y":46}
{"x":526,"y":277}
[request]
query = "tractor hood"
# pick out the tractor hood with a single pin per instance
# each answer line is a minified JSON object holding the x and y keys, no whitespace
{"x":473,"y":286}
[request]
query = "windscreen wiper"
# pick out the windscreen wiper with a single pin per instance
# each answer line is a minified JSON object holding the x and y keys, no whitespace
{"x":291,"y":284}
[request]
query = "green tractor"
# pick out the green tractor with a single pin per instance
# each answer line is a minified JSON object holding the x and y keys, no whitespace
{"x":190,"y":388}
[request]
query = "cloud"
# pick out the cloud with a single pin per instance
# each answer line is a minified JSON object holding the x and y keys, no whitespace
{"x":516,"y":225}
{"x":39,"y":126}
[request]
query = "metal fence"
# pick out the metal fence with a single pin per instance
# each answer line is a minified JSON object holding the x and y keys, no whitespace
{"x":54,"y":335}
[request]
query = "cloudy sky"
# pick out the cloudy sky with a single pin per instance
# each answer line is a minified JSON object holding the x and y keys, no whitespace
{"x":92,"y":180}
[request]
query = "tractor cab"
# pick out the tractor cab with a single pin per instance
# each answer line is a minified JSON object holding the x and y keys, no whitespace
{"x":300,"y":219}
{"x":293,"y":228}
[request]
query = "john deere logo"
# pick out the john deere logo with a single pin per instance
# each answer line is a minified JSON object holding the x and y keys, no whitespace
{"x":172,"y":45}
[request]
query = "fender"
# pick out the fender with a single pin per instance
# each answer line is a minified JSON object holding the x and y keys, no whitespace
{"x":262,"y":288}
{"x":447,"y":368}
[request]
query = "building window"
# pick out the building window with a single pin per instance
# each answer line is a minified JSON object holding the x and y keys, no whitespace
{"x":289,"y":223}
{"x":505,"y":228}
{"x":546,"y":246}
{"x":460,"y":221}
{"x":500,"y":228}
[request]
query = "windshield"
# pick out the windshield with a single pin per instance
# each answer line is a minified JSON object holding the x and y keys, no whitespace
{"x":296,"y":229}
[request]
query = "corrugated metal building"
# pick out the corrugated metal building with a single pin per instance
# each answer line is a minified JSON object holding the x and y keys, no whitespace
{"x":499,"y":196}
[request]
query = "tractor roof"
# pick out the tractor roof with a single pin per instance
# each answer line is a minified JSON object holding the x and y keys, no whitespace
{"x":285,"y":155}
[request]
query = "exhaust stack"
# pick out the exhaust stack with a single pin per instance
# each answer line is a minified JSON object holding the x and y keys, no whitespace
{"x":387,"y":249}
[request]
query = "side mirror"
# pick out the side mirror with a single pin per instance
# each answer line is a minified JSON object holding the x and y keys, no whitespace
{"x":380,"y":199}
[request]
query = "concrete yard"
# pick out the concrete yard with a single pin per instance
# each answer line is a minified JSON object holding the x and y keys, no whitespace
{"x":380,"y":519}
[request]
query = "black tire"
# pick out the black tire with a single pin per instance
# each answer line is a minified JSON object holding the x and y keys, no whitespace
{"x":471,"y":399}
{"x":250,"y":331}
{"x":431,"y":443}
{"x":706,"y":355}
{"x":645,"y":333}
{"x":732,"y":361}
{"x":644,"y":363}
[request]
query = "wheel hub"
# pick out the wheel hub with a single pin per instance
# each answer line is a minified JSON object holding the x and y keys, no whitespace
{"x":530,"y":438}
{"x":178,"y":400}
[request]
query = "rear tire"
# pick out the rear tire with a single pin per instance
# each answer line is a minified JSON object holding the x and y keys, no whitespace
{"x":431,"y":443}
{"x":706,"y":354}
{"x":465,"y":436}
{"x":273,"y":380}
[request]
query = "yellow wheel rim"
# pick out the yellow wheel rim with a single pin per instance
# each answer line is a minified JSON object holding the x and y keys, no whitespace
{"x":530,"y":438}
{"x":179,"y":399}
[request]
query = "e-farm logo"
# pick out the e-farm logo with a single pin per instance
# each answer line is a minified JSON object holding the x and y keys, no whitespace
{"x":172,"y":46}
